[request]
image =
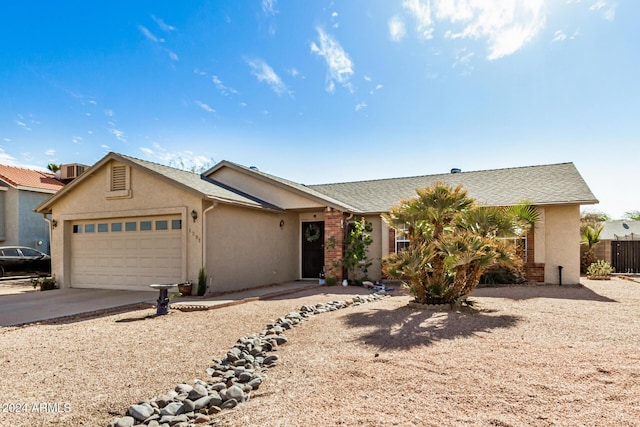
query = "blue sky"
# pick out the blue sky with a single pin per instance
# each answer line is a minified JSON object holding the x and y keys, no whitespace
{"x":324,"y":91}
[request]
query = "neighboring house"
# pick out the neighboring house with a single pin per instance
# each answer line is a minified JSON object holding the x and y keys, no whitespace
{"x":620,"y":245}
{"x":127,"y":223}
{"x":21,"y":190}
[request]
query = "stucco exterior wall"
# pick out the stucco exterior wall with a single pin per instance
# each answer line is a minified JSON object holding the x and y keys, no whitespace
{"x":33,"y":231}
{"x":264,"y":190}
{"x":561,"y":244}
{"x":375,"y":250}
{"x":248,"y":248}
{"x":149,"y":196}
{"x":11,"y":227}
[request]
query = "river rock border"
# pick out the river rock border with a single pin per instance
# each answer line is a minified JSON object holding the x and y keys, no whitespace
{"x":231,"y":379}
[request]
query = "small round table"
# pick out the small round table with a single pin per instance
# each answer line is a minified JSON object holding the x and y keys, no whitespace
{"x":163,"y":298}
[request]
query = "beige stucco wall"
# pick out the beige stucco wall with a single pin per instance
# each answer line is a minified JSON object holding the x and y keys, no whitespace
{"x":149,"y":196}
{"x":248,"y":248}
{"x":561,"y":244}
{"x":264,"y":190}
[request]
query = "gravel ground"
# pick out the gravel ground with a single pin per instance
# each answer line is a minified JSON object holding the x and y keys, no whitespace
{"x":536,"y":355}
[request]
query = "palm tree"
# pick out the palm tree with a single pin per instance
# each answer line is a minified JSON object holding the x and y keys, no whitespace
{"x":53,"y":167}
{"x":589,"y":237}
{"x":452,"y":242}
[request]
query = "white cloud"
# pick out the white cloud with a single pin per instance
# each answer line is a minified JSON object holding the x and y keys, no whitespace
{"x":120,"y":135}
{"x":148,"y":34}
{"x":378,"y":87}
{"x":269,"y":7}
{"x":463,"y":61}
{"x":163,"y":26}
{"x":264,"y":73}
{"x":340,"y":67}
{"x":293,"y":72}
{"x":508,"y":25}
{"x":397,"y":30}
{"x":559,"y":36}
{"x":205,"y":107}
{"x":199,"y":72}
{"x":186,"y":160}
{"x":422,"y":14}
{"x":22,"y":124}
{"x":224,"y":89}
{"x":108,"y":113}
{"x":105,"y":147}
{"x":76,"y":139}
{"x":50,"y":152}
{"x":360,"y":106}
{"x":172,"y":55}
{"x":6,"y":158}
{"x":607,"y":8}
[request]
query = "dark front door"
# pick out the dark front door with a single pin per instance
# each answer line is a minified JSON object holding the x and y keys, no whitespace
{"x":312,"y":249}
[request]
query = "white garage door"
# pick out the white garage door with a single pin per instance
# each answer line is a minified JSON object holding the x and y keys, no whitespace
{"x":126,"y":253}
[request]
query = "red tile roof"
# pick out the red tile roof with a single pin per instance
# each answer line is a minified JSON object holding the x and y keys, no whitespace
{"x":21,"y":177}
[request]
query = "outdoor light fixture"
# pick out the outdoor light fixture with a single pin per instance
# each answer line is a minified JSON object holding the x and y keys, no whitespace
{"x":281,"y":223}
{"x":54,"y":223}
{"x":194,"y":215}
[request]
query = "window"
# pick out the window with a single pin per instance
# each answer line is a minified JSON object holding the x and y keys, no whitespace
{"x":116,"y":227}
{"x":10,"y":252}
{"x":103,"y":228}
{"x":89,"y":228}
{"x":162,"y":225}
{"x":77,"y":228}
{"x":145,"y":225}
{"x":30,"y":252}
{"x":176,"y":224}
{"x":402,"y":239}
{"x":130,"y":226}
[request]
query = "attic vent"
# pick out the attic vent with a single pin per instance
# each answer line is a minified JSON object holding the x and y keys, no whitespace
{"x":118,"y":178}
{"x":456,"y":170}
{"x":71,"y":171}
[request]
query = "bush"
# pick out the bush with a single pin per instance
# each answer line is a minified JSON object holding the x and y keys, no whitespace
{"x":45,"y":283}
{"x":331,"y":280}
{"x":600,"y":269}
{"x":502,"y":276}
{"x":202,"y":282}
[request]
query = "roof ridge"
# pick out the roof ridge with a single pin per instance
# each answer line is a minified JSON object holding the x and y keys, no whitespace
{"x":126,"y":156}
{"x":437,"y":174}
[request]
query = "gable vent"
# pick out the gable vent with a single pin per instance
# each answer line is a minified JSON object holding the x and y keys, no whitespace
{"x":118,"y":178}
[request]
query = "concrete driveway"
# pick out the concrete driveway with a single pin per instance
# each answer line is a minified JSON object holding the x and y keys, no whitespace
{"x":28,"y":307}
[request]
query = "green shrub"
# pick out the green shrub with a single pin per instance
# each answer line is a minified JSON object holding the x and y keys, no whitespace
{"x":331,"y":280}
{"x":45,"y":283}
{"x":600,"y":268}
{"x":202,"y":282}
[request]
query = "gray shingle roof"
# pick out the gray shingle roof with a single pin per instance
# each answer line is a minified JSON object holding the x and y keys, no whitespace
{"x":207,"y":187}
{"x":308,"y":191}
{"x":540,"y":185}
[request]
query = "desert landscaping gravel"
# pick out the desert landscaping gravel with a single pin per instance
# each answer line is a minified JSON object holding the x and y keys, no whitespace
{"x":526,"y":355}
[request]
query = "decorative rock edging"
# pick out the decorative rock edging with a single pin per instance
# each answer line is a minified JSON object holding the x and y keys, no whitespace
{"x":231,"y":379}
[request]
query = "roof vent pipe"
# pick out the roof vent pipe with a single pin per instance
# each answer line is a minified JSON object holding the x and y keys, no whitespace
{"x":456,"y":170}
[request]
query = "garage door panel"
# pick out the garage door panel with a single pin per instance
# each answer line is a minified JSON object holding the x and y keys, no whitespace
{"x":126,"y":259}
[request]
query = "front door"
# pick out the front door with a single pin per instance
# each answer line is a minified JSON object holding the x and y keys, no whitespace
{"x":312,"y":249}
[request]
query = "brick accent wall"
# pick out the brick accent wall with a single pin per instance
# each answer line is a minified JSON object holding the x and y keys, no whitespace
{"x":392,"y":241}
{"x":533,"y":272}
{"x":333,"y":248}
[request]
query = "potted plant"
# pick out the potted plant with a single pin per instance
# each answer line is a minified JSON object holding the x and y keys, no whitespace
{"x":185,"y":288}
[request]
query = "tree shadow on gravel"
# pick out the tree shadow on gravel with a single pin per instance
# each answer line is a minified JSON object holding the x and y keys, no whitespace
{"x":571,"y":292}
{"x":406,"y":327}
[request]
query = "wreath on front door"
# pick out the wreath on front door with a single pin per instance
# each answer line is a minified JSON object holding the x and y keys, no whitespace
{"x":312,"y":233}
